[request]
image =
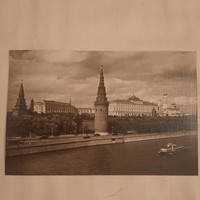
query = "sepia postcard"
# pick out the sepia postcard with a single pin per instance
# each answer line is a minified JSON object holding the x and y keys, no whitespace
{"x":102,"y":113}
{"x":99,"y":100}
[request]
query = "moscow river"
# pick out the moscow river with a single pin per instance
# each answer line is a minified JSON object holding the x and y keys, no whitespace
{"x":134,"y":158}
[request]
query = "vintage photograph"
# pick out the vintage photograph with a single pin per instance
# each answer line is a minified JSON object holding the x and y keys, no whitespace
{"x":101,"y":113}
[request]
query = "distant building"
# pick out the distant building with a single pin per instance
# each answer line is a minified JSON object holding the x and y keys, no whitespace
{"x":132,"y":106}
{"x":89,"y":111}
{"x":166,"y":108}
{"x":20,"y":107}
{"x":101,"y":107}
{"x":47,"y":106}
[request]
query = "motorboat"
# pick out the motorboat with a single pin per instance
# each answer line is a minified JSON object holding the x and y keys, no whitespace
{"x":170,"y":148}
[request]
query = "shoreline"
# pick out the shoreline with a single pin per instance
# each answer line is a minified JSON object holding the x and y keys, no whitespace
{"x":66,"y":143}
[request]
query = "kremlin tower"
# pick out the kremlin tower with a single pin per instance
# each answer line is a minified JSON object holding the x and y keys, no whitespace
{"x":101,"y":107}
{"x":20,"y":107}
{"x":31,"y":109}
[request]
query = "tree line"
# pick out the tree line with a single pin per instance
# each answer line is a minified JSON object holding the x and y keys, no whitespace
{"x":70,"y":123}
{"x":146,"y":124}
{"x":43,"y":124}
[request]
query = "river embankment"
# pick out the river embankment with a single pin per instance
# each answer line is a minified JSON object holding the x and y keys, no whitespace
{"x":54,"y":144}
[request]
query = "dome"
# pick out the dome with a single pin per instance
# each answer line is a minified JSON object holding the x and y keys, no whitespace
{"x":134,"y":98}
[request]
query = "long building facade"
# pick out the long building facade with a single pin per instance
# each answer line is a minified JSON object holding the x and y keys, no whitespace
{"x":132,"y":106}
{"x":47,"y":106}
{"x":89,"y":111}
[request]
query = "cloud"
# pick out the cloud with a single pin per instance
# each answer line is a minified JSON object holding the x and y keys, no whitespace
{"x":183,"y":100}
{"x":60,"y":75}
{"x":183,"y":71}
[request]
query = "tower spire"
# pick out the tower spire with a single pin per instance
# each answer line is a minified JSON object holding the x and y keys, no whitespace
{"x":20,"y":107}
{"x":101,"y":73}
{"x":21,"y":91}
{"x":101,"y":93}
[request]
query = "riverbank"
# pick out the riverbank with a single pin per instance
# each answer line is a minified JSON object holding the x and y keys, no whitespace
{"x":38,"y":146}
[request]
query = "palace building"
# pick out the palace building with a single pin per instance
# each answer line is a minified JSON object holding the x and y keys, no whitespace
{"x":101,"y":107}
{"x":132,"y":106}
{"x":47,"y":106}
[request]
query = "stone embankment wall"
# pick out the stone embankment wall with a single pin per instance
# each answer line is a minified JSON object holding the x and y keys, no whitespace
{"x":53,"y":145}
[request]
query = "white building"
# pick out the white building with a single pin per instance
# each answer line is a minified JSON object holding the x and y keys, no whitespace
{"x":166,"y":108}
{"x":47,"y":106}
{"x":132,"y":106}
{"x":89,"y":111}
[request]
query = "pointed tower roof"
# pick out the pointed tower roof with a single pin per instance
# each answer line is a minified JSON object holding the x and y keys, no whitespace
{"x":20,"y":106}
{"x":101,"y":93}
{"x":101,"y":72}
{"x":21,"y":91}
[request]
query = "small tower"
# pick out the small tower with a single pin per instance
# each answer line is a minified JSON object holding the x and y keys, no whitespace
{"x":70,"y":101}
{"x":20,"y":107}
{"x":101,"y":107}
{"x":32,"y":106}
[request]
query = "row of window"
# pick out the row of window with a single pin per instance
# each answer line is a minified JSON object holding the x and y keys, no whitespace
{"x":50,"y":110}
{"x":130,"y":105}
{"x":59,"y":110}
{"x":85,"y":111}
{"x":130,"y":114}
{"x":133,"y":109}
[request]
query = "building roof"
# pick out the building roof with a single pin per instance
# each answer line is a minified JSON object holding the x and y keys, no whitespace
{"x":55,"y":102}
{"x":134,"y":98}
{"x":50,"y":101}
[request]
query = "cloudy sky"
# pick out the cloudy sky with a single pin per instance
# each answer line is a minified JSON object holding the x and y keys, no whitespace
{"x":59,"y":75}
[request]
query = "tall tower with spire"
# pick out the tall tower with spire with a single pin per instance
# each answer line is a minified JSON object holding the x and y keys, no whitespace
{"x":101,"y":107}
{"x":20,"y":107}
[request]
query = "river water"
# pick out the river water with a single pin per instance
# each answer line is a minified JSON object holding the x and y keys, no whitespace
{"x":135,"y":158}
